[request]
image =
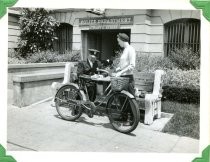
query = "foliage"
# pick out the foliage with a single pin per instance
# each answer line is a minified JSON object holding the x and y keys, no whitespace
{"x":43,"y":57}
{"x":14,"y":58}
{"x":37,"y":31}
{"x":179,"y":85}
{"x":182,"y":79}
{"x":49,"y":56}
{"x":181,"y":95}
{"x":182,"y":86}
{"x":149,"y":63}
{"x":16,"y":61}
{"x":185,"y":58}
{"x":13,"y":54}
{"x":185,"y":121}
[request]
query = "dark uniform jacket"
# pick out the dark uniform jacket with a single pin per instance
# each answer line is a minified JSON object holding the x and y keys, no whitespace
{"x":85,"y":68}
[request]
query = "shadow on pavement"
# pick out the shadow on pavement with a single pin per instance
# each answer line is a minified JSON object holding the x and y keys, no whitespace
{"x":84,"y":121}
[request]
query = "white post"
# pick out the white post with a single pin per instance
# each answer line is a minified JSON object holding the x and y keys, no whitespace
{"x":55,"y":85}
{"x":67,"y":73}
{"x":149,"y":108}
{"x":157,"y":81}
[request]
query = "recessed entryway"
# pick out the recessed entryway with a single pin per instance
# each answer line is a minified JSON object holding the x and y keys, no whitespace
{"x":103,"y":40}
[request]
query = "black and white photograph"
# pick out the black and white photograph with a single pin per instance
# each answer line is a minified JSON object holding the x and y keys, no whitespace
{"x":103,"y":80}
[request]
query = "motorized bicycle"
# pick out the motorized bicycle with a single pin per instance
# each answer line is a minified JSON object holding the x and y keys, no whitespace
{"x":72,"y":100}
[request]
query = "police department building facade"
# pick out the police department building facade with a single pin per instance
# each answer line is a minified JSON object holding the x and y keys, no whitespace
{"x":151,"y":31}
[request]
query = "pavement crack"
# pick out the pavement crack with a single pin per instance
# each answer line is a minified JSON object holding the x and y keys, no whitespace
{"x":172,"y":148}
{"x":21,"y":146}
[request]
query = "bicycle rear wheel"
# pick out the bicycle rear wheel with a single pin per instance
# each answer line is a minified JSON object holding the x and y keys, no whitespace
{"x":123,"y":112}
{"x":66,"y":109}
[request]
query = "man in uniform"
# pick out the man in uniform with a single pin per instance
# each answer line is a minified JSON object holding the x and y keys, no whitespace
{"x":89,"y":67}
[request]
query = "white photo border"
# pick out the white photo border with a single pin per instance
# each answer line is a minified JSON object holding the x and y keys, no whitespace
{"x":122,"y":4}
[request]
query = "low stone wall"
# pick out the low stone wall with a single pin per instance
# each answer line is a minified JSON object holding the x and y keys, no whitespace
{"x":17,"y":69}
{"x":30,"y":83}
{"x":31,"y":88}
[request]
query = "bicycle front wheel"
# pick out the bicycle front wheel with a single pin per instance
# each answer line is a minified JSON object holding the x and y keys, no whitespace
{"x":123,"y":112}
{"x":65,"y":108}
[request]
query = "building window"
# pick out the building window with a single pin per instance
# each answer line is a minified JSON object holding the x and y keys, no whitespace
{"x":180,"y":33}
{"x":64,"y":43}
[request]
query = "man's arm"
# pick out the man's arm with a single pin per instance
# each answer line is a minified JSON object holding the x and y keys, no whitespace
{"x":83,"y":68}
{"x":80,"y":68}
{"x":99,"y":64}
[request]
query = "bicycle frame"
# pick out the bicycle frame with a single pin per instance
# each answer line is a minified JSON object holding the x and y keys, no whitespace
{"x":87,"y":104}
{"x":92,"y":105}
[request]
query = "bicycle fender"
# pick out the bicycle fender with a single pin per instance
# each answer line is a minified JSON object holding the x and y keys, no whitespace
{"x":77,"y":87}
{"x":127,"y":93}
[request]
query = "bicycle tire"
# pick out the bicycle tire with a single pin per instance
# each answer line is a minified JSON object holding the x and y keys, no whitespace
{"x":118,"y":117}
{"x":66,"y":112}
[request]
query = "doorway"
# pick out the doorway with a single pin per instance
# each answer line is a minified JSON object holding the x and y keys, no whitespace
{"x":103,"y":40}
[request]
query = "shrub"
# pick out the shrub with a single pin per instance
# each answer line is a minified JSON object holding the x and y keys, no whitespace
{"x":15,"y":61}
{"x":185,"y":58}
{"x":182,"y":79}
{"x":12,"y":53}
{"x":49,"y":56}
{"x":14,"y":58}
{"x":182,"y":86}
{"x":181,"y":95}
{"x":37,"y":31}
{"x":150,"y":63}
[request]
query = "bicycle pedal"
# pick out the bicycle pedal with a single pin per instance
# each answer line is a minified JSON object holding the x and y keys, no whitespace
{"x":73,"y":113}
{"x":98,"y":113}
{"x":89,"y":114}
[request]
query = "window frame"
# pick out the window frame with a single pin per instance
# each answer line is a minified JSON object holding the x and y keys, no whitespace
{"x":64,"y":33}
{"x":184,"y":28}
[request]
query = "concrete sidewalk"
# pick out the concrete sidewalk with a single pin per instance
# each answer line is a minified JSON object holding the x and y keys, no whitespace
{"x":39,"y":128}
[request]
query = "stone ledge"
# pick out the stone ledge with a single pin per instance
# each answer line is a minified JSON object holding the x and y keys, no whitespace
{"x":35,"y":65}
{"x":37,"y":77}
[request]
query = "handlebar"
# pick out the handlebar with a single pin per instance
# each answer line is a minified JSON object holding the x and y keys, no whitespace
{"x":103,"y":71}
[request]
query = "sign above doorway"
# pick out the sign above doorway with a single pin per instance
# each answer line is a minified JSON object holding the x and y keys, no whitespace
{"x":112,"y":21}
{"x":99,"y":27}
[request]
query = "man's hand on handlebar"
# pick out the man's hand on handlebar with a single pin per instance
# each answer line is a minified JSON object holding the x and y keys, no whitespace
{"x":103,"y":71}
